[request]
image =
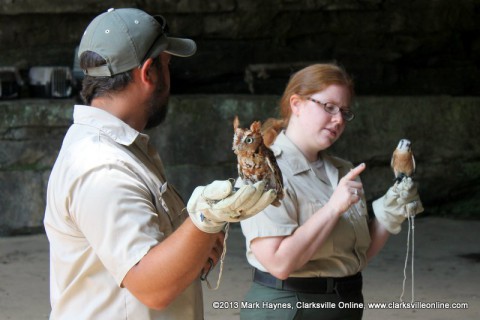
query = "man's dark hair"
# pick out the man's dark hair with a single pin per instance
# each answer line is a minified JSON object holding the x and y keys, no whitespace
{"x":94,"y":87}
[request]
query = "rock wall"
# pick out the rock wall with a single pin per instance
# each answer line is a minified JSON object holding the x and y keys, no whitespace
{"x":391,"y":47}
{"x":195,"y":144}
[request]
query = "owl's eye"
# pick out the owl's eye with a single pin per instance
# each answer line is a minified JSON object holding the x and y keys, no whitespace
{"x":248,"y":140}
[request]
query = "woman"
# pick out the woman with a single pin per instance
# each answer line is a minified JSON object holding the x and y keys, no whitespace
{"x":308,"y":253}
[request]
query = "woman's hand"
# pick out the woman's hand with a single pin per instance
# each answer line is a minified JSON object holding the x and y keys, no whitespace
{"x":348,"y":192}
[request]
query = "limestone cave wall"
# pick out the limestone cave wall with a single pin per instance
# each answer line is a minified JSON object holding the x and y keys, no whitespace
{"x":415,"y":65}
{"x":195,"y":145}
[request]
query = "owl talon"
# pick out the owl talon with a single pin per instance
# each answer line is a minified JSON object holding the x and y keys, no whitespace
{"x":399,"y":178}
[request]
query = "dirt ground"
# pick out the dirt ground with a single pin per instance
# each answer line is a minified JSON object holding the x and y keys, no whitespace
{"x":447,"y":270}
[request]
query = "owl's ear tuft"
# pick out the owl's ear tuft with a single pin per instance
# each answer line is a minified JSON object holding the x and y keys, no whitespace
{"x":236,"y":122}
{"x":255,"y":126}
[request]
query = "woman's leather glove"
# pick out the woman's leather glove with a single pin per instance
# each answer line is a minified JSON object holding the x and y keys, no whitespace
{"x":211,"y":207}
{"x":400,"y":201}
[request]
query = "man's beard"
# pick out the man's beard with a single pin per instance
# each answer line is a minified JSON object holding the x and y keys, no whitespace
{"x":158,"y":108}
{"x":157,"y":116}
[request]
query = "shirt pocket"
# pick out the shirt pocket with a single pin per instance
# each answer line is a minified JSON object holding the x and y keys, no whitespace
{"x":351,"y":233}
{"x":357,"y":213}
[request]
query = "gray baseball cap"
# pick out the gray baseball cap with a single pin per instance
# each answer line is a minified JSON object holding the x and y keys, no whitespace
{"x":125,"y":38}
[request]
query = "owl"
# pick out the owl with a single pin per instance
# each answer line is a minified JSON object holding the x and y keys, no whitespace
{"x":256,"y":162}
{"x":403,"y":161}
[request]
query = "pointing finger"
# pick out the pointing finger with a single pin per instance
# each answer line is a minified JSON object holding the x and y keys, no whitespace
{"x":355,"y":172}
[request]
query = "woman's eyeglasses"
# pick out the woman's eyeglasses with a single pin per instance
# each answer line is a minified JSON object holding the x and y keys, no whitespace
{"x":331,"y":108}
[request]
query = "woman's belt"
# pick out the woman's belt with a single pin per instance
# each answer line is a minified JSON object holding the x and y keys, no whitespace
{"x":310,"y":285}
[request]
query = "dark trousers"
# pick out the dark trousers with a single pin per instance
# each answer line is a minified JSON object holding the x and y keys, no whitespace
{"x":262,"y":303}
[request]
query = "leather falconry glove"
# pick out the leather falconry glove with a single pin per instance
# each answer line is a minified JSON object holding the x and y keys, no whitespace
{"x":212,"y":206}
{"x":400,"y":201}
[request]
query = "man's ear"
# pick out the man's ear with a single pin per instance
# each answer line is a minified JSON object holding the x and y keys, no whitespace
{"x":147,"y":69}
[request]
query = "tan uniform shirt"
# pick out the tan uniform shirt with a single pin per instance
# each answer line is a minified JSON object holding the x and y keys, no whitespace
{"x":306,"y":191}
{"x":108,"y":204}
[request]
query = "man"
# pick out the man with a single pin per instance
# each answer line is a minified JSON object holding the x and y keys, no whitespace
{"x":122,"y":245}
